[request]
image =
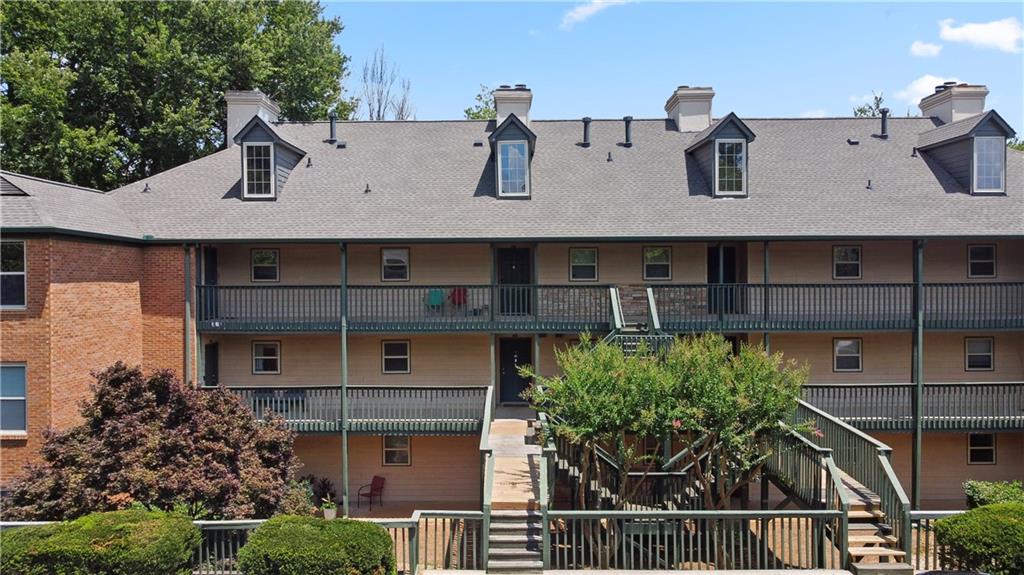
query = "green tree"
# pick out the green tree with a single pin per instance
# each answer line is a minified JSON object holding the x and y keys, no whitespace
{"x":484,"y":107}
{"x":106,"y":93}
{"x":871,"y":109}
{"x":1017,"y":144}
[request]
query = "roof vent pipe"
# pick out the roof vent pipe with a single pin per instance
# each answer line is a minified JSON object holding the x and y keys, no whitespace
{"x":628,"y":120}
{"x":885,"y":123}
{"x":586,"y":132}
{"x":333,"y":116}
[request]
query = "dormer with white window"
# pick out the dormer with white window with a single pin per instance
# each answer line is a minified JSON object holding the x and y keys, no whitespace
{"x":721,"y":151}
{"x":972,"y":150}
{"x":512,"y":145}
{"x":267,"y":160}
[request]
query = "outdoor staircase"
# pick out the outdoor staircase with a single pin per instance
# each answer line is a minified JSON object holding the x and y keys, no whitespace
{"x":873,"y":548}
{"x":514,"y":542}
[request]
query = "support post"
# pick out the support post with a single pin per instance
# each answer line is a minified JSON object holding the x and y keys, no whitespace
{"x":494,"y":372}
{"x":720,"y":298}
{"x":495,"y":291}
{"x":766,"y":267}
{"x":186,"y":374}
{"x":200,"y":348}
{"x":343,"y":307}
{"x":918,"y":368}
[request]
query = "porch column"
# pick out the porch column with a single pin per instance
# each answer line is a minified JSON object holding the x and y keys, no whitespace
{"x":200,"y":351}
{"x":917,"y":369}
{"x":343,"y":307}
{"x":186,"y":374}
{"x":766,"y":266}
{"x":494,"y":373}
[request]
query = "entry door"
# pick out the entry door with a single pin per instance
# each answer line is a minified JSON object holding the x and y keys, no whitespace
{"x":722,"y":300}
{"x":513,"y":353}
{"x":211,"y":364}
{"x":514,"y":275}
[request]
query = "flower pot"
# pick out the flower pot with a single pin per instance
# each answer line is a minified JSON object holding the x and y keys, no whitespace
{"x":330,"y":513}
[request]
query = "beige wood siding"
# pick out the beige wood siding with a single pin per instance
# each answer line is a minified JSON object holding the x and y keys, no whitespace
{"x":445,"y":468}
{"x":945,"y":468}
{"x":622,"y":263}
{"x":429,"y":264}
{"x":946,"y":261}
{"x":446,"y":359}
{"x":308,"y":264}
{"x":887,"y":356}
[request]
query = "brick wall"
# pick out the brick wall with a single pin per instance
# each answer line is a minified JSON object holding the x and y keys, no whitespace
{"x":163,"y":277}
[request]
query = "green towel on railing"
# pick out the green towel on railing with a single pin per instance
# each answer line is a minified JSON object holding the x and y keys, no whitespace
{"x":435,"y":298}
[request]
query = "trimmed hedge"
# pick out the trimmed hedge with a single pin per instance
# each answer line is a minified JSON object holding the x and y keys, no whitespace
{"x":989,"y":539}
{"x":988,"y":492}
{"x":293,"y":545}
{"x":112,"y":543}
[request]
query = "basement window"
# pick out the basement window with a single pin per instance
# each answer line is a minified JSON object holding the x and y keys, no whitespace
{"x":258,"y":171}
{"x":583,"y":264}
{"x":979,"y":354}
{"x":847,"y":355}
{"x":397,"y":450}
{"x":514,"y":168}
{"x":846,"y":263}
{"x":658,"y":263}
{"x":12,"y":275}
{"x":13,"y":413}
{"x":730,"y":167}
{"x":981,"y":449}
{"x":266,"y":357}
{"x":981,"y":261}
{"x":265,"y":265}
{"x":989,"y":164}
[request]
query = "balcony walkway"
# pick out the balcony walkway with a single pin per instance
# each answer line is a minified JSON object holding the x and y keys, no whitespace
{"x":516,"y":465}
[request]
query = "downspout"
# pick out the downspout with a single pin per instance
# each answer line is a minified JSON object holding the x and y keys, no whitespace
{"x":343,"y":306}
{"x":917,"y":368}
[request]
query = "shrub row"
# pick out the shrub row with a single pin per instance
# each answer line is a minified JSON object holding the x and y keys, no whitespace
{"x":293,"y":545}
{"x":988,"y":539}
{"x":988,"y":492}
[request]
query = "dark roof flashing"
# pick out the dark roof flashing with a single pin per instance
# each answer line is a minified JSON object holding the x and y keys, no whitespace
{"x":712,"y":131}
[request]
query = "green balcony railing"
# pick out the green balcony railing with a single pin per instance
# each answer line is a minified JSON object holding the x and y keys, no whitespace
{"x":837,"y":307}
{"x":423,"y":410}
{"x":946,"y":406}
{"x":404,"y":308}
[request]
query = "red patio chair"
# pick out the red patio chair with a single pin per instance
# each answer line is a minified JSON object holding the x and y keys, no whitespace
{"x":373,"y":489}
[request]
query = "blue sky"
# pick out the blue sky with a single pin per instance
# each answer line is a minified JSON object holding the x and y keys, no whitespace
{"x":625,"y":58}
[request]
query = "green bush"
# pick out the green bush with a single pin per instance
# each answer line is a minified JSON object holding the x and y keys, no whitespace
{"x":989,"y":539}
{"x":298,"y":499}
{"x":113,"y":543}
{"x":292,"y":545}
{"x":988,"y":492}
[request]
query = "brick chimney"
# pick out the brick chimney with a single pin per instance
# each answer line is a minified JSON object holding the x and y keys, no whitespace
{"x":690,"y":108}
{"x":952,"y":101}
{"x":513,"y":100}
{"x":243,"y":105}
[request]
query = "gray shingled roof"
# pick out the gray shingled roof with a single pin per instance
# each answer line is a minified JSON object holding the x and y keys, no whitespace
{"x":958,"y":129}
{"x":428,"y":181}
{"x":49,"y":205}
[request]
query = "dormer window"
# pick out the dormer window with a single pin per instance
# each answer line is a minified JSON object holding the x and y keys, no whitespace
{"x":513,"y":168}
{"x":258,"y":175}
{"x":730,"y":167}
{"x":989,"y":164}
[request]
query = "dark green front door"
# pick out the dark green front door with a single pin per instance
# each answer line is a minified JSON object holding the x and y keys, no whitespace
{"x":515,"y":351}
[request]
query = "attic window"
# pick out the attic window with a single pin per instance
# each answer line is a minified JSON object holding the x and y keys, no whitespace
{"x":989,"y":164}
{"x":258,"y":172}
{"x":514,"y":168}
{"x":730,"y":167}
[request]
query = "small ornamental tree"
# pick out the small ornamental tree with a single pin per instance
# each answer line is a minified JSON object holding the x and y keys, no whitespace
{"x":156,"y":442}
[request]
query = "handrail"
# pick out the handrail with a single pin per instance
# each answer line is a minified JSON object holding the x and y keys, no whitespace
{"x":652,"y":311}
{"x":617,"y":321}
{"x":849,"y":428}
{"x":485,"y":429}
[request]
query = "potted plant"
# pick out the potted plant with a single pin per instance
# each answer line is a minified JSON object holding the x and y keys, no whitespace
{"x":329,"y":508}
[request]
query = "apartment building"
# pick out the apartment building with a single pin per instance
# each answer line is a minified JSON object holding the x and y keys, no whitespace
{"x":378,"y":282}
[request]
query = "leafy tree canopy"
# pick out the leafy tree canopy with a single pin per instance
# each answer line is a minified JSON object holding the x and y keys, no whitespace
{"x":484,"y":107}
{"x":105,"y":93}
{"x":156,"y":442}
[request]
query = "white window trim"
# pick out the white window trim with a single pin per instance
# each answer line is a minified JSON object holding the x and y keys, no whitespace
{"x":972,"y":449}
{"x":993,"y":260}
{"x":408,"y":265}
{"x":526,"y":145}
{"x":731,"y":141}
{"x":859,"y":356}
{"x":23,"y":274}
{"x":991,"y":354}
{"x":597,"y":264}
{"x":245,"y":171}
{"x":644,"y":255}
{"x":384,"y":449}
{"x":860,"y":262}
{"x":17,"y":432}
{"x":974,"y":166}
{"x":384,"y":357}
{"x":277,"y":345}
{"x":252,"y":265}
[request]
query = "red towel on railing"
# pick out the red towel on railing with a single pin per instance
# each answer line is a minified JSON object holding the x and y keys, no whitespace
{"x":459,"y":296}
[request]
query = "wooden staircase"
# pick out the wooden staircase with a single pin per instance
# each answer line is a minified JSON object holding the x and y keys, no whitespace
{"x":514,"y":542}
{"x":873,"y":548}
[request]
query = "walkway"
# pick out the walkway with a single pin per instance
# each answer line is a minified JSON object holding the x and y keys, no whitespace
{"x":516,"y":464}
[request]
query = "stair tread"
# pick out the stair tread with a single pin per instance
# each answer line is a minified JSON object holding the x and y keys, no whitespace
{"x":506,"y":553}
{"x":872,"y":539}
{"x":523,"y":537}
{"x":514,"y":563}
{"x":865,"y":514}
{"x":876,"y":551}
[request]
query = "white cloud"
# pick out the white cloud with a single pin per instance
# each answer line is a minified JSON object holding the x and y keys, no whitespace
{"x":1004,"y":35}
{"x":921,"y":87}
{"x":816,"y":113}
{"x":925,"y":49}
{"x":584,"y":11}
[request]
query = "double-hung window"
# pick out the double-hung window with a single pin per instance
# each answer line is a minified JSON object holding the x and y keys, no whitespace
{"x":266,"y":357}
{"x":658,"y":263}
{"x":981,"y":449}
{"x":730,"y":167}
{"x":989,"y":164}
{"x":514,"y":168}
{"x":12,"y":274}
{"x":265,"y":265}
{"x":397,"y":450}
{"x":846,"y":355}
{"x":394,"y":264}
{"x":258,"y":172}
{"x":13,"y":414}
{"x":846,"y":263}
{"x":395,"y":357}
{"x":583,"y":264}
{"x":981,"y":261}
{"x":979,"y":354}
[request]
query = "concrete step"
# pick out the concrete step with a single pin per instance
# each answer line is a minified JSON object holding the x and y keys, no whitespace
{"x":881,"y":569}
{"x":509,"y":528}
{"x":514,"y":566}
{"x":517,"y":540}
{"x":515,"y":515}
{"x":875,"y":552}
{"x":505,"y":554}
